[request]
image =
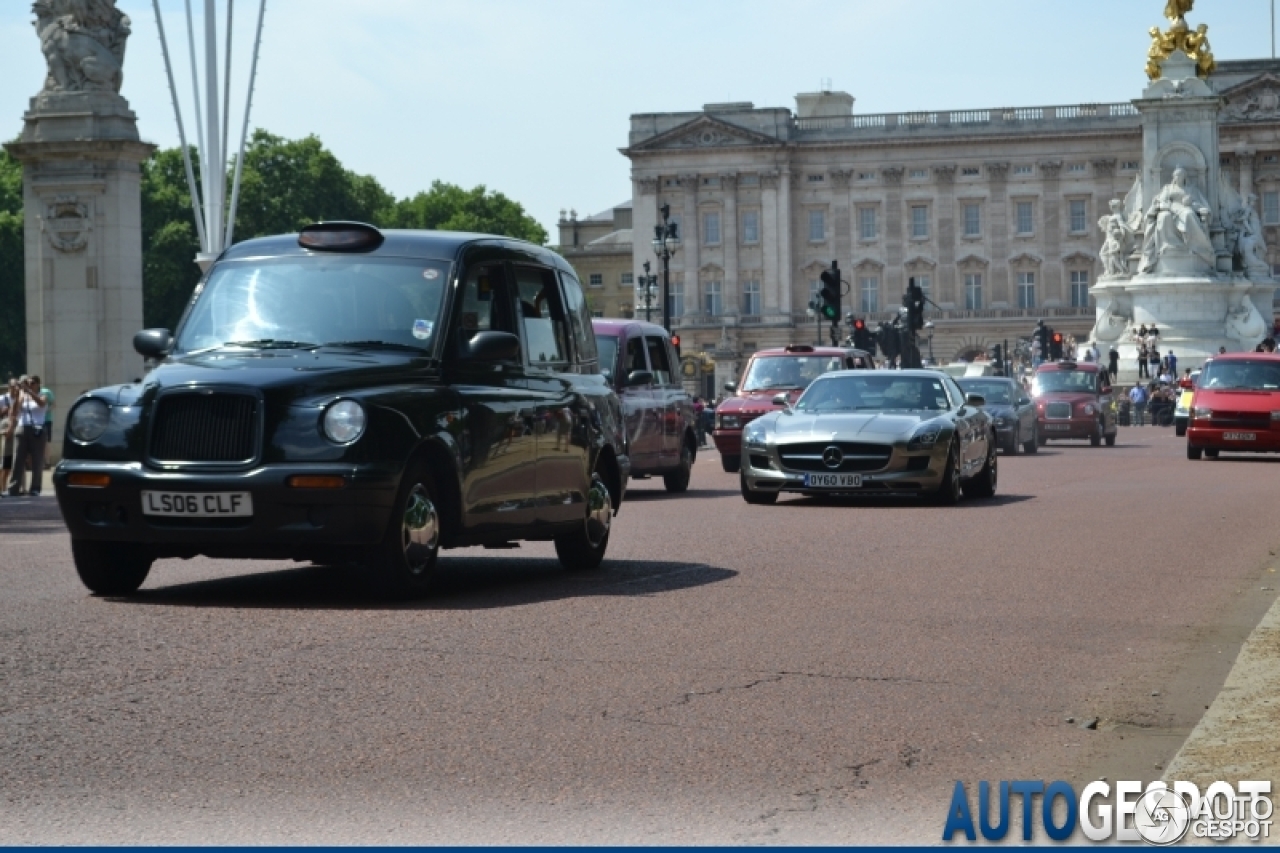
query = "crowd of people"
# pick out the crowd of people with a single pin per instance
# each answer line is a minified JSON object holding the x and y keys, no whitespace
{"x":26,"y":426}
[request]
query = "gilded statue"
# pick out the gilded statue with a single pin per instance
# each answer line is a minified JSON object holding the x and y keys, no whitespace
{"x":1180,"y":36}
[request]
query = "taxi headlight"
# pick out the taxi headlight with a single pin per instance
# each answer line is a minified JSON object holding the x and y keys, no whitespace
{"x":925,"y":436}
{"x":729,"y":421}
{"x":1201,"y":413}
{"x":344,"y":421}
{"x":1275,"y":416}
{"x":89,"y":420}
{"x":1088,"y":409}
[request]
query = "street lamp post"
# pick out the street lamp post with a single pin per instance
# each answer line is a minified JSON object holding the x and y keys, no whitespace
{"x":666,"y":240}
{"x":929,"y":331}
{"x":649,"y":283}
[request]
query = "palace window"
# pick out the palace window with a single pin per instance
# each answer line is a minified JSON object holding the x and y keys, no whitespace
{"x":1075,"y":168}
{"x":596,"y":280}
{"x":973,"y":291}
{"x":1079,"y":289}
{"x":817,"y":226}
{"x":1023,"y":170}
{"x":923,"y":282}
{"x":866,"y":176}
{"x":970,"y":171}
{"x":711,"y":228}
{"x":869,"y":294}
{"x":1271,"y":208}
{"x":711,"y":299}
{"x":628,"y":278}
{"x":867,"y":223}
{"x":750,"y":226}
{"x":1024,"y":221}
{"x":751,"y":297}
{"x":1026,"y":290}
{"x":919,"y":221}
{"x":1076,"y":208}
{"x":816,"y":179}
{"x":1129,"y":166}
{"x":675,"y":300}
{"x":973,"y":220}
{"x":918,"y":173}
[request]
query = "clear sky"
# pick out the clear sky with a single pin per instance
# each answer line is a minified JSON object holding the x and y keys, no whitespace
{"x":532,"y":97}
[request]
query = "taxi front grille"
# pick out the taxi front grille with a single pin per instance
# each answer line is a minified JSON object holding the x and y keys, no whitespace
{"x":1058,"y":411}
{"x":857,"y":456}
{"x":205,"y":427}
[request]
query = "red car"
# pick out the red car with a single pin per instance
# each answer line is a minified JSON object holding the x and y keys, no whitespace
{"x":1236,"y":406}
{"x":771,"y":372}
{"x":1074,"y":401}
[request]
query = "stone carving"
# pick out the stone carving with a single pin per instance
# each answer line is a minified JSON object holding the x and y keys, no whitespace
{"x":840,"y":178}
{"x":83,"y":44}
{"x":1250,"y":248}
{"x":67,"y":224}
{"x":648,"y":186}
{"x":1104,"y":167}
{"x":1261,"y":104}
{"x":892,"y":175}
{"x":997,"y":171}
{"x":1243,"y":322}
{"x":1049,"y":169}
{"x":1177,"y":241}
{"x":1114,"y":317}
{"x":729,"y":181}
{"x":945,"y":174}
{"x":1118,"y":241}
{"x":687,"y":182}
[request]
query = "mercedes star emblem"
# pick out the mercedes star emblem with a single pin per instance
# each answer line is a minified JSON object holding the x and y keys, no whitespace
{"x":832,"y":457}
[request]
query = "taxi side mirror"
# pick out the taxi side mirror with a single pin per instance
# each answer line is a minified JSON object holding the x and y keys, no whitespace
{"x":493,"y":347}
{"x":152,"y":343}
{"x":730,"y":387}
{"x":639,"y":377}
{"x":975,"y":399}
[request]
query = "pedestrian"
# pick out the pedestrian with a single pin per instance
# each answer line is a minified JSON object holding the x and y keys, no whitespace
{"x":48,"y":411}
{"x":1153,"y":357}
{"x":1113,"y":362}
{"x":1138,"y":397}
{"x":1173,"y":363}
{"x":1185,"y":381}
{"x":698,"y":408}
{"x":1268,"y":345}
{"x":29,"y":408}
{"x":1222,"y":350}
{"x":7,"y":423}
{"x":1142,"y":362}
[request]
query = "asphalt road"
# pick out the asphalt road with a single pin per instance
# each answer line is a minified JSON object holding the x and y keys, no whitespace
{"x":807,"y":672}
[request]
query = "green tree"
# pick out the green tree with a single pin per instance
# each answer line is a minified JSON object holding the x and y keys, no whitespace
{"x":169,"y":243}
{"x":447,"y":207}
{"x":13,"y":312}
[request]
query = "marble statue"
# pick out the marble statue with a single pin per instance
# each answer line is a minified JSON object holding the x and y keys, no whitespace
{"x":1177,"y":241}
{"x":83,"y":44}
{"x":1251,"y":246}
{"x":1243,"y":322}
{"x":1118,"y":242}
{"x":1114,"y":318}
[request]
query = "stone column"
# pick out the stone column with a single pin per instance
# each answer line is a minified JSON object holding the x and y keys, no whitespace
{"x":1245,"y":158}
{"x":771,"y":244}
{"x":842,"y":225}
{"x":81,"y":189}
{"x":732,"y":287}
{"x":893,"y":286}
{"x":998,"y":272}
{"x":944,"y":287}
{"x":1051,"y":269}
{"x":690,"y":236}
{"x":786,"y":251}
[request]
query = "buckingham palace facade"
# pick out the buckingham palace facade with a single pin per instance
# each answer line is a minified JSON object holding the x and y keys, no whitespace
{"x":993,"y":211}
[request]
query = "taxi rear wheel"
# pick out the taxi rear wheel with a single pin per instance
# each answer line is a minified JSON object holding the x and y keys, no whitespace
{"x":584,"y":548}
{"x":111,"y":568}
{"x":678,"y":480}
{"x":1194,"y":452}
{"x":407,"y":561}
{"x":731,"y":464}
{"x":1211,"y":452}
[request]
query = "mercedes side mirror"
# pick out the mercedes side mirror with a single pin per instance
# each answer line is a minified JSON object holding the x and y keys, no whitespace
{"x":493,"y":347}
{"x":781,"y":400}
{"x":639,"y":377}
{"x":153,"y":343}
{"x":975,"y":400}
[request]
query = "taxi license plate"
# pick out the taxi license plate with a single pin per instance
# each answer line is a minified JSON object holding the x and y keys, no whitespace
{"x":1057,"y":426}
{"x":833,"y":481}
{"x":1240,"y":436}
{"x":198,"y":504}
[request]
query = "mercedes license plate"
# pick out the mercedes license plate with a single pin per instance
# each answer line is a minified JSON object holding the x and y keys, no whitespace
{"x":833,"y":481}
{"x":1240,"y":436}
{"x":1057,"y":426}
{"x":198,"y":504}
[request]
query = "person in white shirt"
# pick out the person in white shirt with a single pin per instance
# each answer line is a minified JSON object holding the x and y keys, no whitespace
{"x":7,"y":425}
{"x":27,"y":411}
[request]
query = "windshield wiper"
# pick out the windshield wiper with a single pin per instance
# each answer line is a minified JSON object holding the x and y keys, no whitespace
{"x":270,"y":343}
{"x":375,"y":345}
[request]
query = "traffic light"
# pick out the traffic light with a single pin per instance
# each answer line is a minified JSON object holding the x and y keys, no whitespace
{"x":830,"y":294}
{"x":996,"y":353}
{"x":675,"y":342}
{"x":1055,"y":346}
{"x":1041,"y":336}
{"x":862,"y":335}
{"x":913,"y":299}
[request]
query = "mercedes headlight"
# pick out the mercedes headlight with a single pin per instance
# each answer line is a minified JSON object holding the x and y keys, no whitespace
{"x":729,"y":421}
{"x":89,"y":420}
{"x":344,"y":421}
{"x":754,"y":434}
{"x":926,"y":435}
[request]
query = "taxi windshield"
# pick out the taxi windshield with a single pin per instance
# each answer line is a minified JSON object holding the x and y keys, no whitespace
{"x":1066,"y":380}
{"x":994,"y":392}
{"x":787,"y":371}
{"x":366,"y":303}
{"x":1241,"y":376}
{"x":874,"y":393}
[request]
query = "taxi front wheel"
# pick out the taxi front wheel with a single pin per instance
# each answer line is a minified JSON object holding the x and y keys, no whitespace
{"x":111,"y":568}
{"x":584,"y":548}
{"x":407,"y":560}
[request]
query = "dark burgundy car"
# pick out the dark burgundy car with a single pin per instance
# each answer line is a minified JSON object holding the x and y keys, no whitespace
{"x":771,"y":372}
{"x":640,"y":363}
{"x":1074,"y":401}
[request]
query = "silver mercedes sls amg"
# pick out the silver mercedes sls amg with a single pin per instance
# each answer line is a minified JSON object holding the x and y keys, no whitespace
{"x":873,"y":432}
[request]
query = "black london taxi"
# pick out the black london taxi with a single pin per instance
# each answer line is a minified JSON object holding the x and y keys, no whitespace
{"x":353,"y":396}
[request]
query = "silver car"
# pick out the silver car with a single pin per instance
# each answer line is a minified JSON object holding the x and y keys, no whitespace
{"x":873,"y":432}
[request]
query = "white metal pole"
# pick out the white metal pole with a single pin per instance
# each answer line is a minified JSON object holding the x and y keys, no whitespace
{"x":214,"y":159}
{"x":224,"y":148}
{"x":244,"y":130}
{"x":182,"y":134}
{"x":202,"y":153}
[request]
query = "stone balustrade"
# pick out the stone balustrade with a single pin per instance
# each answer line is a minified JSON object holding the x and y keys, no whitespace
{"x":969,"y":120}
